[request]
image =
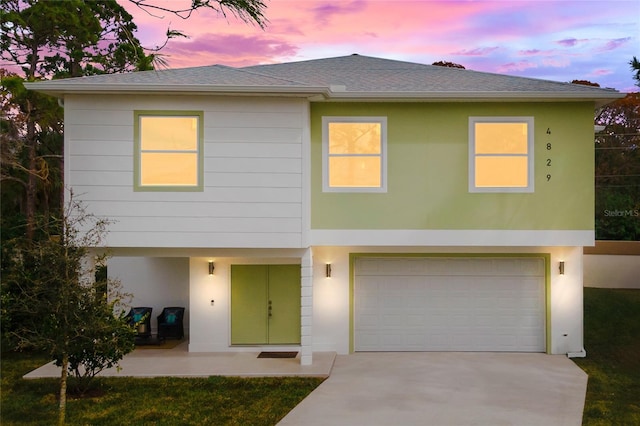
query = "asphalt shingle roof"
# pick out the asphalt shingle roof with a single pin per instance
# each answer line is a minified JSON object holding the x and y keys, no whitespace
{"x":366,"y":74}
{"x":353,"y":76}
{"x":216,"y":75}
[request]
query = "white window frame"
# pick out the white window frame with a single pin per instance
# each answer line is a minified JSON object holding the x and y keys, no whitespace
{"x":325,"y":152}
{"x":530,"y":153}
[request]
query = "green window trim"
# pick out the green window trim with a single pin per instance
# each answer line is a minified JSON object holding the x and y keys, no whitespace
{"x":138,"y":150}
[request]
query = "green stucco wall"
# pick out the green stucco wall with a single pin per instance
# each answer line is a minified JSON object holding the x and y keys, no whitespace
{"x":428,"y":170}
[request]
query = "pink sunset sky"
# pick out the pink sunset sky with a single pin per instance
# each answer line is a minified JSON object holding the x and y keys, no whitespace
{"x":558,"y":40}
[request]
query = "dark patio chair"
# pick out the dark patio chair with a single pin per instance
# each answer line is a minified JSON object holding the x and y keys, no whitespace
{"x":140,"y":318}
{"x":170,"y":323}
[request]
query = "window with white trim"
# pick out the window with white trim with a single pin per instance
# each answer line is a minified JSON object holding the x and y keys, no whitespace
{"x":501,"y":154}
{"x":168,"y":151}
{"x":354,"y":154}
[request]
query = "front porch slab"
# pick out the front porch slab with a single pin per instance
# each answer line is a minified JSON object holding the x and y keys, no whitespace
{"x":178,"y":362}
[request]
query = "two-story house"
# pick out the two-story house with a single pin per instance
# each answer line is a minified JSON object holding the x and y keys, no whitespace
{"x":343,"y":204}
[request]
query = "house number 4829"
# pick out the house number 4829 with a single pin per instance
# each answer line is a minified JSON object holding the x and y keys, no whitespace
{"x":549,"y":146}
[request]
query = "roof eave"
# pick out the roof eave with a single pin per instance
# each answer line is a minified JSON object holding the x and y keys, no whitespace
{"x":318,"y":93}
{"x":598,"y":98}
{"x":60,"y":90}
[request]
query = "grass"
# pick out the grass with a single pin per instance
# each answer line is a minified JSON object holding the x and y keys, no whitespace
{"x":612,"y":341}
{"x":150,"y":401}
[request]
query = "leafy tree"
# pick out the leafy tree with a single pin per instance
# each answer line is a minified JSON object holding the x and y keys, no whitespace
{"x":250,"y":11}
{"x":54,"y":304}
{"x":635,"y":67}
{"x":52,"y":39}
{"x":618,"y":170}
{"x":31,"y":165}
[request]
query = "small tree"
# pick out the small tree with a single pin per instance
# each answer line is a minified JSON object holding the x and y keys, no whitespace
{"x":55,"y":304}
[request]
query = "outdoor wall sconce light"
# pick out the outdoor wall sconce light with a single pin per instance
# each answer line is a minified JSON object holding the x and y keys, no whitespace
{"x":561,"y":267}
{"x":211,"y":267}
{"x":328,"y":270}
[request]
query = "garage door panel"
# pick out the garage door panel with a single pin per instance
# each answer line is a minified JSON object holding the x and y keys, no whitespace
{"x":393,"y":320}
{"x":481,"y":305}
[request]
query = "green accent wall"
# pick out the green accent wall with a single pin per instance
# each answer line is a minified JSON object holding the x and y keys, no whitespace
{"x":427,"y":160}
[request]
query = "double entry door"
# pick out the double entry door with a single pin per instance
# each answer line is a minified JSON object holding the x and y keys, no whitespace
{"x":265,"y":304}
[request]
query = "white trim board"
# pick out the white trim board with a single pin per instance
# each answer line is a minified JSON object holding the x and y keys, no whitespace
{"x":457,"y":237}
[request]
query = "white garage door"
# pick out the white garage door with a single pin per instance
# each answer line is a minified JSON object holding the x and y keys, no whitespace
{"x":449,"y":304}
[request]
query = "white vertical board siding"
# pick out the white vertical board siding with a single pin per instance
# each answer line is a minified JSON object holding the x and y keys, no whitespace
{"x":253,"y":185}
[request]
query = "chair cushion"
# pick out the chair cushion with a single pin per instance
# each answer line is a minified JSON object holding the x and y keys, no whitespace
{"x":137,"y":317}
{"x":170,"y":318}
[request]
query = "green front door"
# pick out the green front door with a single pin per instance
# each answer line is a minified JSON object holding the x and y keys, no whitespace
{"x":265,"y":304}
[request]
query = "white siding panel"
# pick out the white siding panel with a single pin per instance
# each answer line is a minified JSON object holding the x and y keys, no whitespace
{"x":246,"y":195}
{"x":257,"y":180}
{"x":108,"y":117}
{"x":202,"y":224}
{"x":253,"y":192}
{"x":111,"y":163}
{"x":243,"y":134}
{"x":195,"y":209}
{"x":283,"y":120}
{"x":255,"y":150}
{"x":230,"y":195}
{"x":97,"y":177}
{"x":101,"y":178}
{"x":104,"y":133}
{"x":263,"y":165}
{"x":99,"y":148}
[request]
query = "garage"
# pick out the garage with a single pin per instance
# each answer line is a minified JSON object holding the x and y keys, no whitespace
{"x":449,"y":304}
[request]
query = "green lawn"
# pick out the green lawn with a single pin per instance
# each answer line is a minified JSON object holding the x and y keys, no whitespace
{"x":153,"y":401}
{"x":612,"y":341}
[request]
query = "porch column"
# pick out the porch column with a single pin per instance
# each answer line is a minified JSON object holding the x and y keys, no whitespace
{"x":306,"y":309}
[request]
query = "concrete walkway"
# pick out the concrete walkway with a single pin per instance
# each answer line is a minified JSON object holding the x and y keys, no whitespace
{"x":439,"y":388}
{"x":178,"y":362}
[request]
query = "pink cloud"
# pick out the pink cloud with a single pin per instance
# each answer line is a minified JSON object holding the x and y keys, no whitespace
{"x":230,"y":49}
{"x":529,"y":52}
{"x":326,"y":10}
{"x":614,"y":44}
{"x":558,"y":62}
{"x":516,"y":66}
{"x":601,"y":72}
{"x":571,"y":42}
{"x":479,"y":51}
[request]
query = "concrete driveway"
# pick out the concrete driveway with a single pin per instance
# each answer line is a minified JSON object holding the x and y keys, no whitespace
{"x":444,"y":388}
